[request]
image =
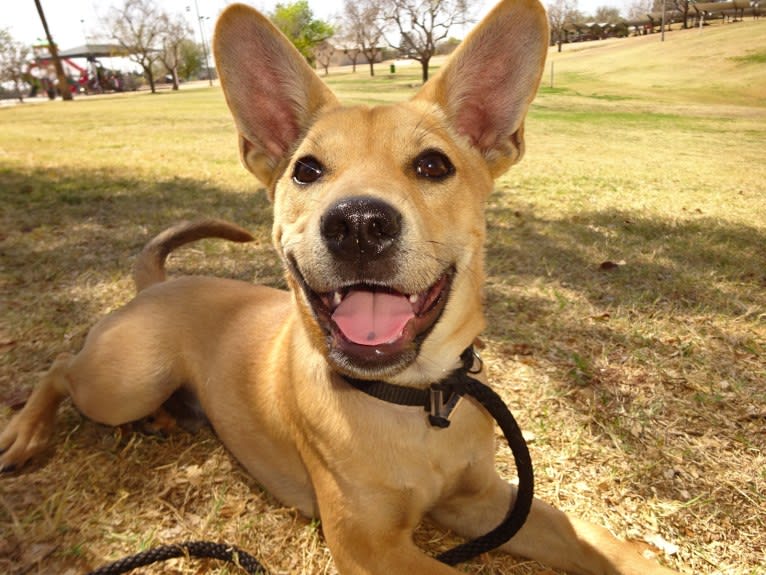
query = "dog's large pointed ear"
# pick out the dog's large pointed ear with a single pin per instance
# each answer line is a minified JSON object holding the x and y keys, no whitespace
{"x":489,"y":82}
{"x":272,"y":92}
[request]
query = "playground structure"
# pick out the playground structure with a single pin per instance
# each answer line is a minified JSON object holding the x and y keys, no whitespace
{"x":92,"y":78}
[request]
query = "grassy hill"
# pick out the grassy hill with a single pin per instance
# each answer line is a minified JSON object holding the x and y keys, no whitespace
{"x":720,"y":64}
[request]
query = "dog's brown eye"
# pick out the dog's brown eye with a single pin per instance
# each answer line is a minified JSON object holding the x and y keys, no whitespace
{"x":307,"y":170}
{"x":433,"y":165}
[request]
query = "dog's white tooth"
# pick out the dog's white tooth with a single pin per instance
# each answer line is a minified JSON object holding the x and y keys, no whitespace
{"x":414,"y":298}
{"x":337,"y":298}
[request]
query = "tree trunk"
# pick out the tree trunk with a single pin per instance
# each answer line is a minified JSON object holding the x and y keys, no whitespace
{"x":66,"y":93}
{"x":372,"y":67}
{"x":19,"y":91}
{"x":424,"y":64}
{"x":150,"y":77}
{"x":174,"y":72}
{"x":686,"y":15}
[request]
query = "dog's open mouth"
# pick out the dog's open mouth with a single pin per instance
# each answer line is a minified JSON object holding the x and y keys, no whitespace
{"x":377,"y":329}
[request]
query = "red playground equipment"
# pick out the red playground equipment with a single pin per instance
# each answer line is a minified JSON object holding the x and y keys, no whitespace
{"x":93,"y":78}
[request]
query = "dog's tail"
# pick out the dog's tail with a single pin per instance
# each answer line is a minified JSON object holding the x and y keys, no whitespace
{"x":149,"y":268}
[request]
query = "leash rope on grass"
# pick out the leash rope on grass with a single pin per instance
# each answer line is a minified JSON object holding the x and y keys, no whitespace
{"x":198,"y":549}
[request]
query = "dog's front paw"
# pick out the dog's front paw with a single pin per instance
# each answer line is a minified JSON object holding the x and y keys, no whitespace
{"x":6,"y":467}
{"x":21,"y":440}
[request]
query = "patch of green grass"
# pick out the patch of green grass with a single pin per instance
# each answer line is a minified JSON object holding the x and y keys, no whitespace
{"x":547,"y":90}
{"x":609,"y":97}
{"x":753,"y":58}
{"x":622,"y":119}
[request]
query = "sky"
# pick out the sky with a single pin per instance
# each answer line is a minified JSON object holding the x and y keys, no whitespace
{"x":73,"y":21}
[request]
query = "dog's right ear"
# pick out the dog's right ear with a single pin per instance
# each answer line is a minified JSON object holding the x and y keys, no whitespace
{"x":272,"y":92}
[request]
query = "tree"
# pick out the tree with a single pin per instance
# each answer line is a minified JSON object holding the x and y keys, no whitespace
{"x":422,"y":24}
{"x":13,"y":59}
{"x":66,"y":94}
{"x":673,"y":8}
{"x":607,"y":14}
{"x":296,"y":20}
{"x":138,"y":26}
{"x":447,"y":46}
{"x":683,"y":6}
{"x":192,"y":59}
{"x":561,"y":14}
{"x":323,"y":53}
{"x":639,"y":9}
{"x":353,"y":53}
{"x":175,"y":32}
{"x":363,"y":23}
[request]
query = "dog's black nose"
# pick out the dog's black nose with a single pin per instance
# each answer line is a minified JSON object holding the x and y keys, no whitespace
{"x":360,"y":227}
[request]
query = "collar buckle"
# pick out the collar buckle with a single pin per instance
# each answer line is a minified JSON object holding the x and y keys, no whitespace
{"x":443,"y":400}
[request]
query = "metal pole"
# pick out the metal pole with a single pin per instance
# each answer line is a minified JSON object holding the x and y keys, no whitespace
{"x":204,"y":43}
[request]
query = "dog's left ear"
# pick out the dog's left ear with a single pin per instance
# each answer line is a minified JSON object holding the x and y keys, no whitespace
{"x":489,"y":82}
{"x":272,"y":92}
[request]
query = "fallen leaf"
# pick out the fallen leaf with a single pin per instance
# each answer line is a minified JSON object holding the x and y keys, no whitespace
{"x":193,"y":473}
{"x":601,"y":317}
{"x":610,"y":265}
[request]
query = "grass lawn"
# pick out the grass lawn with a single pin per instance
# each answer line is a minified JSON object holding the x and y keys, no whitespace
{"x":626,"y":296}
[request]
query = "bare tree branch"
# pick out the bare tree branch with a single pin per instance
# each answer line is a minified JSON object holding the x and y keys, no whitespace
{"x":363,"y":24}
{"x":422,"y":24}
{"x":138,"y":25}
{"x":176,"y":32}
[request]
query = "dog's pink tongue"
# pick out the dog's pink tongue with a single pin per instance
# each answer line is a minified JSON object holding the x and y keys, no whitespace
{"x":372,"y":318}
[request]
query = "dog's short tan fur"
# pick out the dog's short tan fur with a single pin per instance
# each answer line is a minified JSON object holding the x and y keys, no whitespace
{"x":265,"y":367}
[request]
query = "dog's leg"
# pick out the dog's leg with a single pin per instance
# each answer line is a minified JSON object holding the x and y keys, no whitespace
{"x":124,"y":372}
{"x":370,"y":533}
{"x":28,"y":432}
{"x":548,"y":536}
{"x":356,"y":550}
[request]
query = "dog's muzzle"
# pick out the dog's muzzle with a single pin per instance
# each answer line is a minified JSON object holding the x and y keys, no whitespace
{"x":373,"y":327}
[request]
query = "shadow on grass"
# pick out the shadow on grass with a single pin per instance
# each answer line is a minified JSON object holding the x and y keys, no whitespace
{"x":696,"y":265}
{"x":61,"y":198}
{"x":69,"y":237}
{"x":624,"y":304}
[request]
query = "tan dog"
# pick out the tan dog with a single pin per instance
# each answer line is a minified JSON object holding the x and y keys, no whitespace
{"x":378,"y":217}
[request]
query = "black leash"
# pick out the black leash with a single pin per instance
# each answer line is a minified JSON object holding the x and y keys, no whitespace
{"x":440,"y":399}
{"x":199,"y":549}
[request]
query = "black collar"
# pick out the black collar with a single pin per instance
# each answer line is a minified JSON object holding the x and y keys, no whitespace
{"x":439,"y":399}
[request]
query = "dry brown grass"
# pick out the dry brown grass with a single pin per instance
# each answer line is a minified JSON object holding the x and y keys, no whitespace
{"x":641,"y":384}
